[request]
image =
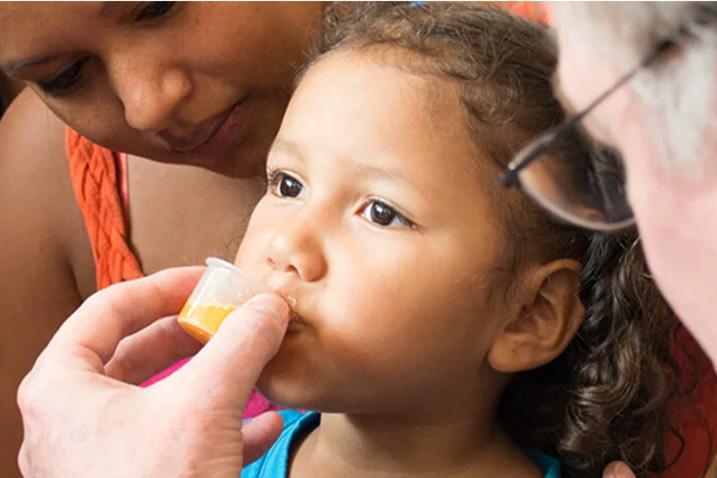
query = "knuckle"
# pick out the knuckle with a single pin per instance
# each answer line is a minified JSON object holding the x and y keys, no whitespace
{"x":107,"y":298}
{"x":23,"y":461}
{"x":104,"y":302}
{"x":117,"y":368}
{"x":29,"y":395}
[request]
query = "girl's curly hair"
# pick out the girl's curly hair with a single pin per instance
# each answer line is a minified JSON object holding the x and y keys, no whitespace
{"x":605,"y":398}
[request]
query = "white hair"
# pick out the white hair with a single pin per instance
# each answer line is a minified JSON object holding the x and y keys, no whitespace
{"x":679,"y":93}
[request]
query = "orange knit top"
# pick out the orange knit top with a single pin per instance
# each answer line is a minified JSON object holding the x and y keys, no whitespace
{"x":99,"y":180}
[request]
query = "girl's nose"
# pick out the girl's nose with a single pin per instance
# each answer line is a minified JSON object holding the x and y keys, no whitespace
{"x":295,"y":249}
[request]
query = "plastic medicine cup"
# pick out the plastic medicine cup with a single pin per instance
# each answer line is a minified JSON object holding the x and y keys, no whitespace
{"x":222,"y":288}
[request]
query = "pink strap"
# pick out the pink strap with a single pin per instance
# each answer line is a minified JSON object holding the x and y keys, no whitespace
{"x":123,"y":181}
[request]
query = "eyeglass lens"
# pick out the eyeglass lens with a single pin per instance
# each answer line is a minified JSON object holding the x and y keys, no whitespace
{"x":578,"y":180}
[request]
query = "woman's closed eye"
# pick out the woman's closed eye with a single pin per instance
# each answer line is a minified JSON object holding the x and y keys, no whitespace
{"x":65,"y":80}
{"x":284,"y":185}
{"x":384,"y":215}
{"x":153,"y":10}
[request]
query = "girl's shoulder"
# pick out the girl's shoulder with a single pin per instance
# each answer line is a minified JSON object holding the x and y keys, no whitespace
{"x":548,"y":464}
{"x":274,"y":463}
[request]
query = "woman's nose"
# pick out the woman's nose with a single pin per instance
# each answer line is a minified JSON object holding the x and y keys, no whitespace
{"x":296,"y":249}
{"x":151,"y":96}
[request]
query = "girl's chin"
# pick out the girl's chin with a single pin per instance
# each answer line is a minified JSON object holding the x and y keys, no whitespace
{"x":299,"y":394}
{"x":289,"y":395}
{"x":316,"y":398}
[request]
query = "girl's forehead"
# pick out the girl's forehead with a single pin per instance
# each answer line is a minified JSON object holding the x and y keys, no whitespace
{"x":364,"y":84}
{"x":381,"y":103}
{"x":368,"y":112}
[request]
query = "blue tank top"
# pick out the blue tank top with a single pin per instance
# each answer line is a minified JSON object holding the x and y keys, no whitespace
{"x":275,"y":462}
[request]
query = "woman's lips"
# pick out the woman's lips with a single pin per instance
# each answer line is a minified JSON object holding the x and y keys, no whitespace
{"x":216,"y":135}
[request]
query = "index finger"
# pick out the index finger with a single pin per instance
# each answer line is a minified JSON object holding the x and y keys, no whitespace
{"x":92,"y":333}
{"x":230,"y":364}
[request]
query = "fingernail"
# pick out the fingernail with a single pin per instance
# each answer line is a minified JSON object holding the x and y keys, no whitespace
{"x":270,"y":304}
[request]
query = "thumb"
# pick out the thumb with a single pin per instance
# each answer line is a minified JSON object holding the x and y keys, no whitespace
{"x":230,"y":364}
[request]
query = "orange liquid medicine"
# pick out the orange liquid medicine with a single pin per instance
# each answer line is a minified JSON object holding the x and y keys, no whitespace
{"x":221,"y":289}
{"x":202,"y":321}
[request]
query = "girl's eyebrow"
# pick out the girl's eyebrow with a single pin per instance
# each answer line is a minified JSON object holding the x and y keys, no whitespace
{"x":380,"y":172}
{"x":287,"y":147}
{"x":384,"y":173}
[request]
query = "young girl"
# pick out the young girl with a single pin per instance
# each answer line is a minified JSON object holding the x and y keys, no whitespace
{"x":444,"y":326}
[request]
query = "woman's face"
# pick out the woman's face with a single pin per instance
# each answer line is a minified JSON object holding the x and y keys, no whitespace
{"x":193,"y":83}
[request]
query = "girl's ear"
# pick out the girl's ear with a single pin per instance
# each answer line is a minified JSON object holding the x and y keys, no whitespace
{"x":545,"y":324}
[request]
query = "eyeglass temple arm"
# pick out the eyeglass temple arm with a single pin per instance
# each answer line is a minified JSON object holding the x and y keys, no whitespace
{"x":705,"y":16}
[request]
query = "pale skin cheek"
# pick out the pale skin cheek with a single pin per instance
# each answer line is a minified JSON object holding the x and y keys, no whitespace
{"x":635,"y":139}
{"x":580,"y":80}
{"x":571,"y":85}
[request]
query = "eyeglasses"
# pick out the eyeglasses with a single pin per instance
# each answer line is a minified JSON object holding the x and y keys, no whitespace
{"x":590,"y":191}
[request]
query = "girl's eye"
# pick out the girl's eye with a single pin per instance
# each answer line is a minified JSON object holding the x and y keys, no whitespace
{"x":285,"y":186}
{"x":154,"y":10}
{"x":64,"y":80}
{"x":384,"y":215}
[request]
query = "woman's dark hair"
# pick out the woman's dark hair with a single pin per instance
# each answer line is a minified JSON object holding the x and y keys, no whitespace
{"x":4,"y":101}
{"x":605,"y":397}
{"x":9,"y":89}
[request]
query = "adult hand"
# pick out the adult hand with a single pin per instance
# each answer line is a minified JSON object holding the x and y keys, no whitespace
{"x":84,"y":415}
{"x":617,"y":469}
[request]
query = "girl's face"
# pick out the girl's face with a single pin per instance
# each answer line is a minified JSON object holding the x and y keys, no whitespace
{"x":196,"y":83}
{"x":377,"y":227}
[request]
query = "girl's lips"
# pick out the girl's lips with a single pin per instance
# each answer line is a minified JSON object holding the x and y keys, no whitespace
{"x":296,"y":322}
{"x":295,"y":325}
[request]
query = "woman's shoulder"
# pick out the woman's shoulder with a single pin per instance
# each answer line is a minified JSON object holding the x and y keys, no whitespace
{"x":36,"y":197}
{"x":42,"y":253}
{"x":31,"y":144}
{"x":30,"y":124}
